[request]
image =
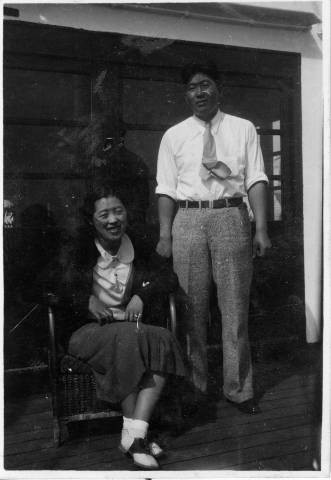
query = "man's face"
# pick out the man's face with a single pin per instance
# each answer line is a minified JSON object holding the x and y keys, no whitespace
{"x":202,"y":95}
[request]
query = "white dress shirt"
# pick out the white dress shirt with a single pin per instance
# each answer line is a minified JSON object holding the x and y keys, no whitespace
{"x":180,"y":158}
{"x":111,"y":274}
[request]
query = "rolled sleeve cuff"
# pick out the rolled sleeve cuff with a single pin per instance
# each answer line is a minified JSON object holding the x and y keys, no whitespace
{"x":163,"y":190}
{"x":261,"y":177}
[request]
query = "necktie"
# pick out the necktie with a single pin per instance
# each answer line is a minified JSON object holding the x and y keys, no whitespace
{"x":209,"y":158}
{"x":211,"y":165}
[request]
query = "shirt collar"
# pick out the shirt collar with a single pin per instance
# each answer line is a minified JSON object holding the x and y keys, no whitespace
{"x":125,"y":253}
{"x":198,"y":126}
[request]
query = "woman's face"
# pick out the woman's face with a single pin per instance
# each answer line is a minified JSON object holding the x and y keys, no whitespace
{"x":109,"y":219}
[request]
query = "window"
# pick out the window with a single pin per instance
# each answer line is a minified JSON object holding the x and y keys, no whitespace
{"x":42,"y":109}
{"x":262,"y":106}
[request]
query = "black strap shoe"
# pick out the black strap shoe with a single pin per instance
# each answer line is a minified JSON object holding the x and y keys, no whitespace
{"x":141,"y":456}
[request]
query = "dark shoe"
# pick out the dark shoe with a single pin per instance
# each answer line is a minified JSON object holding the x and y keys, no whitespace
{"x":250,"y":407}
{"x":140,"y":454}
{"x":153,"y":447}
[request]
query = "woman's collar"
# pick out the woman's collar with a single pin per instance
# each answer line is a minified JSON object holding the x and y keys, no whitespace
{"x":125,"y":253}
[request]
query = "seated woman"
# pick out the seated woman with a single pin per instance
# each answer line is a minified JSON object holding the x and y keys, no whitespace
{"x":110,"y":278}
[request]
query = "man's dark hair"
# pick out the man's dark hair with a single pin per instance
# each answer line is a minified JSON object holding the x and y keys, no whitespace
{"x":208,"y":68}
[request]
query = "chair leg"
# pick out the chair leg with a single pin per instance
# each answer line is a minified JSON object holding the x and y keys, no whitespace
{"x":56,"y":432}
{"x":60,"y":432}
{"x":64,"y":432}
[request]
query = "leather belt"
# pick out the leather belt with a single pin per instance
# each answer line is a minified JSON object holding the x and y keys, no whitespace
{"x":221,"y":203}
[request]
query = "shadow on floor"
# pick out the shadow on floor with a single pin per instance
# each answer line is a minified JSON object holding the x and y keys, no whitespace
{"x":275,"y":365}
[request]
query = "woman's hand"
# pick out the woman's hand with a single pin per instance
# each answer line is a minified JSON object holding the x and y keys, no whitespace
{"x":134,"y":307}
{"x":99,"y":311}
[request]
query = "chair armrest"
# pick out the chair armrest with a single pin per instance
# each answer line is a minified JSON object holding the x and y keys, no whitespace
{"x":173,"y":313}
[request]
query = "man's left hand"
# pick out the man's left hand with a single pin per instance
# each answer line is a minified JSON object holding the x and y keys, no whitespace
{"x":261,"y":243}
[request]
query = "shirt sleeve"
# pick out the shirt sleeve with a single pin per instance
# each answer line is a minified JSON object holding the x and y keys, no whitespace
{"x":254,"y":160}
{"x":166,"y":176}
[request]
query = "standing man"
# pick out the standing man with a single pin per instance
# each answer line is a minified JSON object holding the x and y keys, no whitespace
{"x":206,"y":165}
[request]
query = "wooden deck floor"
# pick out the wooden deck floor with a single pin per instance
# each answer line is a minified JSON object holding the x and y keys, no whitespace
{"x":285,"y":436}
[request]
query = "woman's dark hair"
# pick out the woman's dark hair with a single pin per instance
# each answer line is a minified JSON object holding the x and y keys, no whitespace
{"x":102,"y":188}
{"x":208,"y":68}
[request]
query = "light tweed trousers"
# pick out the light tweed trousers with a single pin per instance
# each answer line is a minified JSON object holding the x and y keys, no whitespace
{"x":216,"y":243}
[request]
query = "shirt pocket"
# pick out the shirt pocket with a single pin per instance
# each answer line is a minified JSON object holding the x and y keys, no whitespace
{"x":235,"y":163}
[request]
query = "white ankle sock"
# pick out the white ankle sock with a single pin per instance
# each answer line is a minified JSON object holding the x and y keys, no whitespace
{"x":139,"y":428}
{"x":126,"y":435}
{"x":133,"y":428}
{"x":127,"y":422}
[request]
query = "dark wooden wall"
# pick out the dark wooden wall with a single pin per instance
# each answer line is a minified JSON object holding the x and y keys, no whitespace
{"x":65,"y":90}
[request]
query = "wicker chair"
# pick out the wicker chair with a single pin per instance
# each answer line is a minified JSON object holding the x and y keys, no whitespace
{"x":73,"y":389}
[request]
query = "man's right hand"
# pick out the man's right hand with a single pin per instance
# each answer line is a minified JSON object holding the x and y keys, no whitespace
{"x":164,"y":247}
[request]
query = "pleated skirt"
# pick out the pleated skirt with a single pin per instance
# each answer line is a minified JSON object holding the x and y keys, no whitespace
{"x":120,"y":354}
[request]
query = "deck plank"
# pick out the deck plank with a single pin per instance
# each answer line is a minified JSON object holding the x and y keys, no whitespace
{"x":283,"y":437}
{"x":97,"y":450}
{"x":229,"y":460}
{"x":198,"y":449}
{"x":228,"y":416}
{"x":301,"y":460}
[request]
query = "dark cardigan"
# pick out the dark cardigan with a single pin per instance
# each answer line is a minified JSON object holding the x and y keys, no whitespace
{"x":71,"y":280}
